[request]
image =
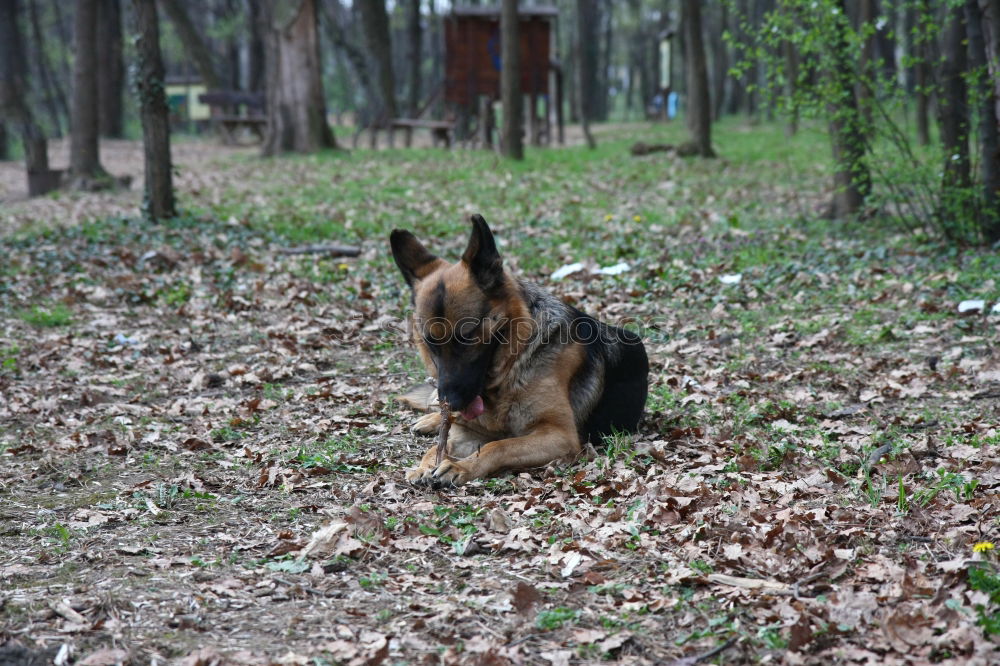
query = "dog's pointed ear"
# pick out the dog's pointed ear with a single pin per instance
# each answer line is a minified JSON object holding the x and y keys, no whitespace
{"x":481,"y":256}
{"x":413,"y":259}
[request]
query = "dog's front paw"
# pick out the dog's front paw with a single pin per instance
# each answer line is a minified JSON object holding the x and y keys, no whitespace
{"x":451,"y":473}
{"x":427,"y":424}
{"x":448,"y":474}
{"x":419,"y":476}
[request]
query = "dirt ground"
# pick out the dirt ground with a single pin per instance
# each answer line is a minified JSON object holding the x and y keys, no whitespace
{"x":201,"y":463}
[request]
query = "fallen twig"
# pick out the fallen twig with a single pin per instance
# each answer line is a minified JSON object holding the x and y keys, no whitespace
{"x":331,"y":249}
{"x":705,"y":656}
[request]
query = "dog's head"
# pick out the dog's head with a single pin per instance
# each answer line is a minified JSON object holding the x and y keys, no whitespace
{"x":456,"y":309}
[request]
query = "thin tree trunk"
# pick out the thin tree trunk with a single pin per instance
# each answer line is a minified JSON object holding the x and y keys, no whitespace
{"x":84,"y":156}
{"x":375,"y":24}
{"x":159,"y":197}
{"x":791,"y":76}
{"x":753,"y":72}
{"x":4,"y":148}
{"x":852,"y":180}
{"x":989,"y":167}
{"x":864,"y":93}
{"x":255,"y":61}
{"x":437,"y":55}
{"x":195,"y":46}
{"x":55,"y":99}
{"x":953,"y":108}
{"x":414,"y":32}
{"x":510,"y":81}
{"x":110,"y":69}
{"x":584,"y":76}
{"x":739,"y":86}
{"x":63,"y":69}
{"x":296,"y":107}
{"x":921,"y":75}
{"x":721,"y":63}
{"x":588,"y":57}
{"x":605,"y":71}
{"x":699,"y":111}
{"x":13,"y":107}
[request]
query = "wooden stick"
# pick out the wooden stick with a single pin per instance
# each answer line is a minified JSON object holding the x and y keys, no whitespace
{"x":442,"y":445}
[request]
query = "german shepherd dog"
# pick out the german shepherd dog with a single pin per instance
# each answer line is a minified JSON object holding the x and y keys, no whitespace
{"x":530,"y":377}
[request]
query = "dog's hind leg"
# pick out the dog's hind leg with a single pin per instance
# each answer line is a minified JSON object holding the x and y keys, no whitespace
{"x":422,"y":397}
{"x":427,"y":424}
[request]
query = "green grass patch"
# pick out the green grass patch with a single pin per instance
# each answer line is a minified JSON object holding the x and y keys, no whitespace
{"x":52,"y":316}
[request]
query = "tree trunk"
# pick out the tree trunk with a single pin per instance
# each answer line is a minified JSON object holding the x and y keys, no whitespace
{"x":586,"y":62}
{"x":437,"y":55}
{"x":4,"y":148}
{"x":296,"y":110}
{"x":255,"y":61}
{"x":791,"y":81}
{"x":605,"y":72}
{"x":63,"y":69}
{"x":158,"y":202}
{"x":415,"y":33}
{"x":510,"y":81}
{"x":699,"y":111}
{"x":110,"y":69}
{"x":195,"y":46}
{"x":14,"y":108}
{"x":852,"y":180}
{"x":55,"y":98}
{"x":84,"y":157}
{"x":989,"y":167}
{"x":753,"y":74}
{"x":738,"y":86}
{"x":921,"y":75}
{"x":953,"y":109}
{"x":991,"y":37}
{"x":721,"y":64}
{"x":375,"y":24}
{"x":885,"y":39}
{"x":867,"y":13}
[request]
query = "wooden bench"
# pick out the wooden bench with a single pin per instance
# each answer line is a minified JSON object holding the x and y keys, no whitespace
{"x":233,"y":110}
{"x":441,"y":130}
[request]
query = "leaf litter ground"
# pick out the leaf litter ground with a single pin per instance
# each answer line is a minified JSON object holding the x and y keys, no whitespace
{"x":202,"y":462}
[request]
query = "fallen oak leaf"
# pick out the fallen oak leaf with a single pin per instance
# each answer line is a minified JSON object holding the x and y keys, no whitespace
{"x":524,"y":597}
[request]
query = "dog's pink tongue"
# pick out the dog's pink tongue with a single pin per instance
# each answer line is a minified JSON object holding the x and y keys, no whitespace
{"x":474,"y":409}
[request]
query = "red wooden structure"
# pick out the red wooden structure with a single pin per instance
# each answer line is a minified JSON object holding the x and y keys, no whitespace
{"x":472,"y":62}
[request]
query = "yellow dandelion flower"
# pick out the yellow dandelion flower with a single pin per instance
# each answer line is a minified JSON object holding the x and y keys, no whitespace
{"x":343,"y":267}
{"x":637,"y":218}
{"x":609,"y":217}
{"x":982,"y":547}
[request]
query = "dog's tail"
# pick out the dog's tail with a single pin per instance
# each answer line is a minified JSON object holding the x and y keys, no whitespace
{"x":422,"y":397}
